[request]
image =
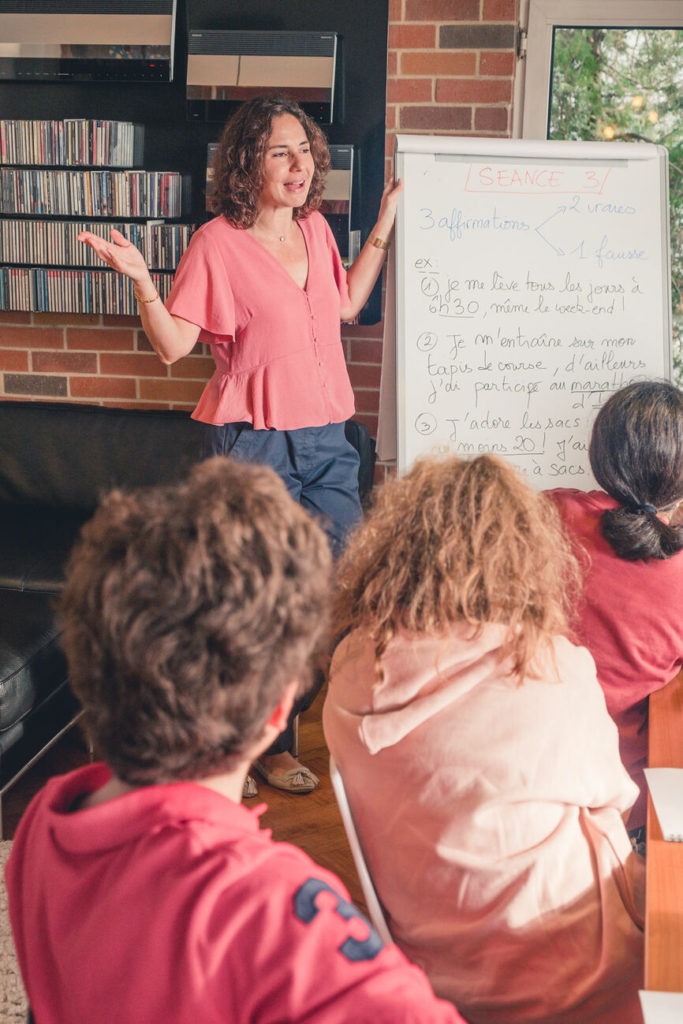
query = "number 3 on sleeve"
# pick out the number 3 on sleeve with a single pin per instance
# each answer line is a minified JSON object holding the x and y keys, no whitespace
{"x":306,"y":908}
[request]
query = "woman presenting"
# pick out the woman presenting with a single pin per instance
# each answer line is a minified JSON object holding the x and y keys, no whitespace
{"x":263,"y":284}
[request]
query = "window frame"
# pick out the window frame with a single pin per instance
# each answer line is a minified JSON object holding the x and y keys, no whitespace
{"x":543,"y":16}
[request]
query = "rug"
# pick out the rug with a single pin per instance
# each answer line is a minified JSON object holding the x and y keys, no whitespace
{"x":12,"y":996}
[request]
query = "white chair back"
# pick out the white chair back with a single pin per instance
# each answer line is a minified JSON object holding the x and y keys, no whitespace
{"x":372,"y":900}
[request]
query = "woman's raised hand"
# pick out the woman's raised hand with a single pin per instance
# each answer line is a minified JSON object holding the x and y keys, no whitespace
{"x":118,"y":253}
{"x":389,"y":202}
{"x":171,"y":337}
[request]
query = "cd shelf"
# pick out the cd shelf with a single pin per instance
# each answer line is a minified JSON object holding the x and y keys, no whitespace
{"x":54,"y":243}
{"x":43,"y":267}
{"x":92,"y":193}
{"x":40,"y":290}
{"x":72,"y":142}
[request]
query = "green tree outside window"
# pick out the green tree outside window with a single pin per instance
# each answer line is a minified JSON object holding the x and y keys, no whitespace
{"x":627,"y":85}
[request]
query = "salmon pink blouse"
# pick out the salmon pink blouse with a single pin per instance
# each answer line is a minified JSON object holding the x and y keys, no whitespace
{"x":277,"y":347}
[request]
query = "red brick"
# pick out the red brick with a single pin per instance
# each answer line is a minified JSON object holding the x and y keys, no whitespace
{"x":35,"y":384}
{"x":364,"y":375}
{"x":193,"y":368}
{"x":31,"y":337}
{"x":64,"y":362}
{"x":363,"y":351}
{"x":63,"y":319}
{"x":131,"y":365}
{"x":395,"y":10}
{"x":102,"y":387}
{"x":499,"y":10}
{"x":442,"y":10}
{"x":363,"y":331}
{"x":453,"y":119}
{"x":120,"y":321}
{"x":11,"y":359}
{"x":481,"y":36}
{"x":172,"y":390}
{"x":409,"y":90}
{"x":491,"y":119}
{"x":473,"y":90}
{"x":367,"y":401}
{"x":412,"y":37}
{"x":99,"y":340}
{"x":390,"y":119}
{"x":497,"y":62}
{"x":439,"y":63}
{"x":15,"y":318}
{"x":392,"y":63}
{"x":142,"y":342}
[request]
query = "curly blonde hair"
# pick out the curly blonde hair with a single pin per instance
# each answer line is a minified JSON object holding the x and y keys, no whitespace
{"x":458,"y":540}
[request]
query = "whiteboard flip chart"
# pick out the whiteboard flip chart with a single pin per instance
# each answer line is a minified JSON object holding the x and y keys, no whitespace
{"x":532,"y":281}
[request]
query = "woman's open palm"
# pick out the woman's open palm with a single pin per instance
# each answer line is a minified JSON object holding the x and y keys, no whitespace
{"x":118,"y":253}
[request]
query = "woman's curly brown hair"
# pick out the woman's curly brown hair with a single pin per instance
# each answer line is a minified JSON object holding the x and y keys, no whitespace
{"x":187,"y":610}
{"x":238,"y":162}
{"x":454,"y":541}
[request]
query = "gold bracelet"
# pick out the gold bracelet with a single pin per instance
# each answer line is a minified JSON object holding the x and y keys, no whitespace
{"x":379,"y":243}
{"x":146,"y":301}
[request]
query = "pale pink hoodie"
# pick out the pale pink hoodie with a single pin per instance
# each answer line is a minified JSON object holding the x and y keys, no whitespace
{"x":491,"y":818}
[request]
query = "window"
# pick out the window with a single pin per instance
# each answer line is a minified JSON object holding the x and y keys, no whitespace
{"x":612,"y":70}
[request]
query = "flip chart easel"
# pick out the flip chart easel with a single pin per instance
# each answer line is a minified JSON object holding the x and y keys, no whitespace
{"x":532,"y":281}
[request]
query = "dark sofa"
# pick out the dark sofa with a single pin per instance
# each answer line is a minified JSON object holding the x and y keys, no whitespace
{"x":56,"y":460}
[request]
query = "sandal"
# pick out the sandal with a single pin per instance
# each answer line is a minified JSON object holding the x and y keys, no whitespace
{"x":249,"y":787}
{"x":296,"y":780}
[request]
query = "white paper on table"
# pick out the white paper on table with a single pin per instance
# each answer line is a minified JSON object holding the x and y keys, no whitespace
{"x":666,"y":790}
{"x":662,"y":1007}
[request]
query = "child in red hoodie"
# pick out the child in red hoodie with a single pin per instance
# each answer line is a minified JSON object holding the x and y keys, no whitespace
{"x":141,"y":889}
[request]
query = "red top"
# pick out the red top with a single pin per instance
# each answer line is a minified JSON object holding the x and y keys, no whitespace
{"x":632,"y":624}
{"x":277,"y":347}
{"x":169,"y":904}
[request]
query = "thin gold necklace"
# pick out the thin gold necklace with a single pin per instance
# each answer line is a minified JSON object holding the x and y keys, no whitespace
{"x":280,"y":238}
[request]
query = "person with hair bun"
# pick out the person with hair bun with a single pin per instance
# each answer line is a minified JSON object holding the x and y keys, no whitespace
{"x":480,"y":763}
{"x":631,"y":532}
{"x":263,"y":285}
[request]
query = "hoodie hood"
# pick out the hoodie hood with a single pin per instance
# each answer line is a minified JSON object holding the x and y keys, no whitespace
{"x":421,"y":676}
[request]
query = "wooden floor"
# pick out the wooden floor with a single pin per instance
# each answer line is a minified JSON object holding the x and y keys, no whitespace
{"x":311,"y":822}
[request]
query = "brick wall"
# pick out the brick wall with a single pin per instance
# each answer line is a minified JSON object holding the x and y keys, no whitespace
{"x":93,"y":359}
{"x":450,"y":71}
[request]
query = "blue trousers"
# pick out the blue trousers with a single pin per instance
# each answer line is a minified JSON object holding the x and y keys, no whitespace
{"x":318,"y":465}
{"x":319,"y":468}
